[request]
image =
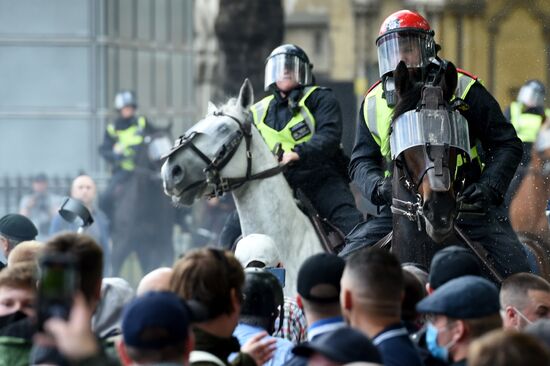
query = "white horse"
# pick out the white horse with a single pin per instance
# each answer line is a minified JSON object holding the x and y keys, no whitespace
{"x":225,"y":152}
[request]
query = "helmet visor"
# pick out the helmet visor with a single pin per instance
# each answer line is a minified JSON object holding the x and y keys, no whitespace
{"x":415,"y":49}
{"x":286,"y":68}
{"x":531,"y":96}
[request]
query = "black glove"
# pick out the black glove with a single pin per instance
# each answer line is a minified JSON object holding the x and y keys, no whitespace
{"x":382,"y":194}
{"x":480,"y":196}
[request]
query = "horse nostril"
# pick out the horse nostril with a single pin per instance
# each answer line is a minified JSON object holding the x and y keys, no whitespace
{"x":177,"y":173}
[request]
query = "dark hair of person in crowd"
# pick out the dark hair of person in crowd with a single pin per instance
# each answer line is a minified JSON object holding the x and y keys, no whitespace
{"x":514,"y":289}
{"x":208,"y":276}
{"x":378,"y":279}
{"x":89,"y":257}
{"x":414,"y":292}
{"x":480,"y":326}
{"x":507,"y":348}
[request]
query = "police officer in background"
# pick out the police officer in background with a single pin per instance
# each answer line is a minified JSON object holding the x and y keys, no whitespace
{"x":527,"y":114}
{"x":120,"y":142}
{"x":406,"y":36}
{"x":306,"y":121}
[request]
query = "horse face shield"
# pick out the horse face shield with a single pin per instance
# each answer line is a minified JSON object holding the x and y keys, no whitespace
{"x":436,"y":130}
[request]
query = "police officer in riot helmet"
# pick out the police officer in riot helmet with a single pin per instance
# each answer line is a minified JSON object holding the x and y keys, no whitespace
{"x":120,"y":143}
{"x":262,"y":310}
{"x":527,"y":114}
{"x":407,"y":36}
{"x":305,"y":121}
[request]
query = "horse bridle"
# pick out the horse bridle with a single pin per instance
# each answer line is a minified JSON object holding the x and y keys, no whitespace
{"x":224,"y":154}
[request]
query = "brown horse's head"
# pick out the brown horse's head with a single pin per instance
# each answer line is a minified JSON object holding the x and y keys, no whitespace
{"x":426,"y":134}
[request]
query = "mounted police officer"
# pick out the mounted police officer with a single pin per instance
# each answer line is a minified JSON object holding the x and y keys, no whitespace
{"x":120,"y":143}
{"x":527,"y":114}
{"x":407,"y":36}
{"x":306,"y":121}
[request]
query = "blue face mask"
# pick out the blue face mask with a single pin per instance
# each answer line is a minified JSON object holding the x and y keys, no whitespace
{"x":439,"y":352}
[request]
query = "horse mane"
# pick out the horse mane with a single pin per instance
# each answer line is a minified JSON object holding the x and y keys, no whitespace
{"x":230,"y":107}
{"x":409,"y":91}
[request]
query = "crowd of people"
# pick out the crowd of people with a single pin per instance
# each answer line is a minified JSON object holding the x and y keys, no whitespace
{"x":215,"y":307}
{"x":59,"y":304}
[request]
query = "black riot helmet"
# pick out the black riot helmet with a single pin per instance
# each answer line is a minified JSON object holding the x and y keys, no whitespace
{"x":263,"y":294}
{"x":125,"y":98}
{"x":532,"y":94}
{"x":287,"y":60}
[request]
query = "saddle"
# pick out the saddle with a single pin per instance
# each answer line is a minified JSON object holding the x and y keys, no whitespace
{"x":331,"y":238}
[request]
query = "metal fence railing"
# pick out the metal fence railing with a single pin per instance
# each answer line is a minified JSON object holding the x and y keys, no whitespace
{"x":14,"y":188}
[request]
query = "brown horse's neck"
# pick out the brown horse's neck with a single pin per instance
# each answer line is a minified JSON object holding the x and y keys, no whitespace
{"x":528,"y":206}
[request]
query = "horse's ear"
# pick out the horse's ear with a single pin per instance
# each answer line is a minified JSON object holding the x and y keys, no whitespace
{"x":246,"y":95}
{"x":211,"y":108}
{"x":401,"y":78}
{"x":450,"y":81}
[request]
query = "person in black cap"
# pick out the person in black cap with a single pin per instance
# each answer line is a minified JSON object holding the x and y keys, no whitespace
{"x":449,"y":263}
{"x":15,"y":228}
{"x":460,"y":311}
{"x":318,"y":287}
{"x":340,"y":347}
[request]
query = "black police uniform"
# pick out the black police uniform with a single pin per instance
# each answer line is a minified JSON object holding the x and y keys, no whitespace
{"x":502,"y":151}
{"x":119,"y":175}
{"x":321,"y":171}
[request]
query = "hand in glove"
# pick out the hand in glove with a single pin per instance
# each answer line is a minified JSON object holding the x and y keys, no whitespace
{"x":382,"y":194}
{"x":480,"y":196}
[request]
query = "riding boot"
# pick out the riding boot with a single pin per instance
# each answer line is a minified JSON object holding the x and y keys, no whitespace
{"x":231,"y":231}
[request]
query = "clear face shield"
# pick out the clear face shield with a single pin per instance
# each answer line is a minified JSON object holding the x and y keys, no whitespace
{"x":286,"y":67}
{"x":530,"y":96}
{"x":415,"y":49}
{"x":436,"y":127}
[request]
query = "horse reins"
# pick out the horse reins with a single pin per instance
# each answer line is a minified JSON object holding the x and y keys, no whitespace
{"x":224,"y":154}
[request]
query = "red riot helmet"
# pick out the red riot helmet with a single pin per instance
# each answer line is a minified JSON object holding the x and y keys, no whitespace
{"x":404,"y":36}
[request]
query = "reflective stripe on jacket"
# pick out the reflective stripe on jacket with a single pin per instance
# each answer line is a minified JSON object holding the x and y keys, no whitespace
{"x":378,"y":115}
{"x":128,"y":139}
{"x":298,"y":130}
{"x":527,"y":125}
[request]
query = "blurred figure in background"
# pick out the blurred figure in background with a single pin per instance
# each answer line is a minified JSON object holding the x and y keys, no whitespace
{"x":527,"y":114}
{"x":84,"y":189}
{"x":120,"y":141}
{"x":40,"y":206}
{"x":141,"y":217}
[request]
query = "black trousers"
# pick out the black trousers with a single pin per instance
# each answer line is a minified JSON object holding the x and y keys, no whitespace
{"x":332,"y":198}
{"x":493,"y":231}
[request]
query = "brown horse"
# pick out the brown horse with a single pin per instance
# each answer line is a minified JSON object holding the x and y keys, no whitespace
{"x":424,"y":186}
{"x":528,"y":206}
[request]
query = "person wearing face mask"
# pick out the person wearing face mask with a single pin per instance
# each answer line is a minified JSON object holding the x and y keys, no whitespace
{"x":459,"y":312}
{"x":524,"y":298}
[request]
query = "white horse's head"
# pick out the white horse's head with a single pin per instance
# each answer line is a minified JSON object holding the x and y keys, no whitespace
{"x":206,"y":150}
